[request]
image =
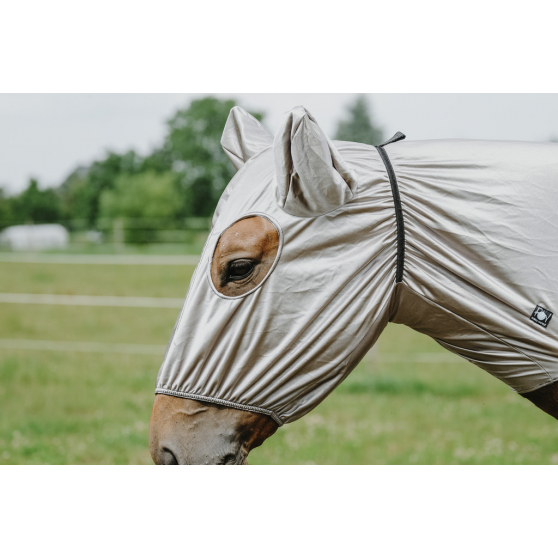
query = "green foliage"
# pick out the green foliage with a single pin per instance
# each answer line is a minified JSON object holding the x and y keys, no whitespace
{"x":146,"y":201}
{"x":36,"y":206}
{"x":191,"y":152}
{"x":76,"y":196}
{"x":183,"y":177}
{"x":82,"y":190}
{"x":146,"y":195}
{"x":358,"y":126}
{"x":6,"y":214}
{"x":192,"y":148}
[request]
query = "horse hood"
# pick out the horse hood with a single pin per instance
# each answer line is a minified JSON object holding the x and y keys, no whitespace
{"x":480,"y":255}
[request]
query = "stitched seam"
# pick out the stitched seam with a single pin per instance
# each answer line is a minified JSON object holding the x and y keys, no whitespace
{"x":398,"y":214}
{"x":484,"y":331}
{"x":233,"y":404}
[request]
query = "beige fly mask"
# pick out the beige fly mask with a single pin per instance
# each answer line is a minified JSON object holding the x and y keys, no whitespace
{"x":316,"y":245}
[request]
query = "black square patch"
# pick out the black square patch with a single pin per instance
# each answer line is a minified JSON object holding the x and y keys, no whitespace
{"x":541,"y":316}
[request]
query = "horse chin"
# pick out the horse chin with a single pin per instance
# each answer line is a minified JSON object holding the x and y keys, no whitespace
{"x":189,"y":432}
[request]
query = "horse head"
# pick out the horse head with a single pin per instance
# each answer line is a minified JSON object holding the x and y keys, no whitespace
{"x":289,"y":294}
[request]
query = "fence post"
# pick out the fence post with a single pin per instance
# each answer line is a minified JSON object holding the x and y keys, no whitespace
{"x":118,"y":234}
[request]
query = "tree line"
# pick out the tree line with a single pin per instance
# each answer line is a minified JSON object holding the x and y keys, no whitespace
{"x":182,"y":178}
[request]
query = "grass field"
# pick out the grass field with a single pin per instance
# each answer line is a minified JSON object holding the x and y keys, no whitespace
{"x":79,"y":407}
{"x":195,"y":247}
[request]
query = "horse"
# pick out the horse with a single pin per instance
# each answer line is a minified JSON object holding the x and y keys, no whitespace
{"x":317,"y":244}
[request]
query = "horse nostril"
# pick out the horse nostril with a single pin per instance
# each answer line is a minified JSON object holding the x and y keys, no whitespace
{"x":168,"y":457}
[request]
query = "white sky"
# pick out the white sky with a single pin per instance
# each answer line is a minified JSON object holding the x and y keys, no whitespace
{"x":47,"y":135}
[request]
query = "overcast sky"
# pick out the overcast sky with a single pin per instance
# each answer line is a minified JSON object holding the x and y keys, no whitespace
{"x":47,"y":136}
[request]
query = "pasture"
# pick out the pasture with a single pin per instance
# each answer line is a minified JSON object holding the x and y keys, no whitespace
{"x":86,"y":398}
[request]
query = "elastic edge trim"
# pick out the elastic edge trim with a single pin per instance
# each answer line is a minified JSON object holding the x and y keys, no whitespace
{"x":398,"y":213}
{"x":224,"y":402}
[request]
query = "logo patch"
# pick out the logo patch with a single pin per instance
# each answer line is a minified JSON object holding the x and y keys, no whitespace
{"x":541,"y":316}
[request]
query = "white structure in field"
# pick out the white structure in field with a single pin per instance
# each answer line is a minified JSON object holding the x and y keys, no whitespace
{"x":34,"y":237}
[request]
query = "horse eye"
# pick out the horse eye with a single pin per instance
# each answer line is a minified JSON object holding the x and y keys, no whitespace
{"x":240,"y":269}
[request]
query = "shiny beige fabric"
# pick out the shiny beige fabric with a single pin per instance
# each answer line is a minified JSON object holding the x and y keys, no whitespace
{"x":481,"y":253}
{"x":312,"y":178}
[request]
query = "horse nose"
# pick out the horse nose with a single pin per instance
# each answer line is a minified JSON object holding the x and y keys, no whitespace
{"x":164,"y":456}
{"x":161,"y":451}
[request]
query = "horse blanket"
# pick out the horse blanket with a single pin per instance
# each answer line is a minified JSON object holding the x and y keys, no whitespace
{"x":477,"y":255}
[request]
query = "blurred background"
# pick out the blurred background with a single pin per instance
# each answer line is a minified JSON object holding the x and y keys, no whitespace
{"x":105,"y":205}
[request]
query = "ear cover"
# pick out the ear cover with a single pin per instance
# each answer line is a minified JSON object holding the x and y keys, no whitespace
{"x":243,"y":137}
{"x":312,"y":177}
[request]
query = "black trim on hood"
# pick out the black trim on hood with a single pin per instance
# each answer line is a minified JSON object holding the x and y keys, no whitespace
{"x":397,"y":201}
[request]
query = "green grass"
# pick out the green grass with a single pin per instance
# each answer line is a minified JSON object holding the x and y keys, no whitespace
{"x":116,"y":280}
{"x":58,"y":407}
{"x":395,"y":413}
{"x":81,"y":323}
{"x":74,"y":408}
{"x":159,"y":249}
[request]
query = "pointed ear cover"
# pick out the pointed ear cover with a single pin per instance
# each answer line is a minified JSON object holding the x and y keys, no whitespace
{"x":243,"y":137}
{"x":312,"y":178}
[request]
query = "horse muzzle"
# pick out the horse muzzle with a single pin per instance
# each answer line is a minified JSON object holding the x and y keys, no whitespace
{"x":189,"y":432}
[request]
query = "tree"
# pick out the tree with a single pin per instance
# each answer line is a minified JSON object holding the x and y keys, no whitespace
{"x":81,"y":192}
{"x":6,"y":213}
{"x":103,"y":174}
{"x":37,"y":206}
{"x":358,"y":125}
{"x":192,"y":148}
{"x":146,"y":202}
{"x":76,"y":197}
{"x":190,"y":155}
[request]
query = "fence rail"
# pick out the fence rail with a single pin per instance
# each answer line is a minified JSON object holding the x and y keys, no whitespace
{"x":91,"y":300}
{"x":187,"y":223}
{"x":97,"y":259}
{"x":81,"y":347}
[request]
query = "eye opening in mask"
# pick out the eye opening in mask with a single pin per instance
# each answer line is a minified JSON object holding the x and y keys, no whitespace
{"x":244,"y":256}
